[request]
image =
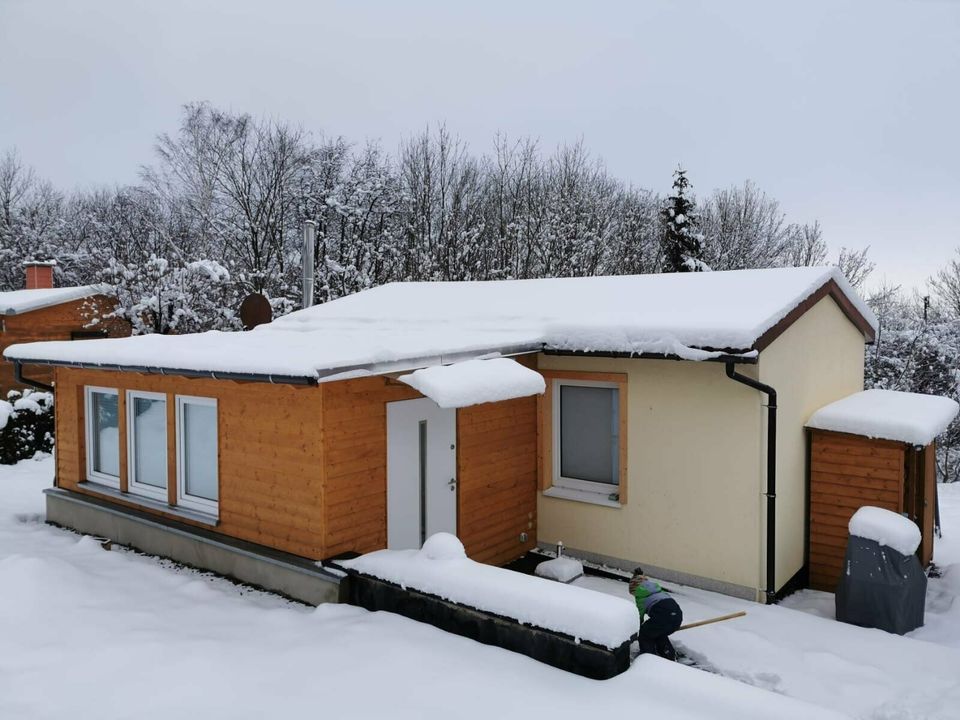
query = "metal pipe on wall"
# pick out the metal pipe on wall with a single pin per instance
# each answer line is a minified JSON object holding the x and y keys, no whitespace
{"x":771,"y":493}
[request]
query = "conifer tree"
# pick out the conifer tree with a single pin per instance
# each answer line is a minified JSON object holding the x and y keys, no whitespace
{"x":682,"y":246}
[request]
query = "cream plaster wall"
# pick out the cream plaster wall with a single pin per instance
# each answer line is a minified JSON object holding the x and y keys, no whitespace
{"x":694,"y":459}
{"x":817,"y":360}
{"x":697,"y":453}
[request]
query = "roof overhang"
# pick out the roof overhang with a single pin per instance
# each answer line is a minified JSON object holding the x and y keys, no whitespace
{"x":56,"y":296}
{"x":828,"y":289}
{"x":475,"y":382}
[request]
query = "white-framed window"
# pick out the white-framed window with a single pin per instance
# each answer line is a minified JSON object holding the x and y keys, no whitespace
{"x":198,"y":475}
{"x":103,"y":435}
{"x":586,"y":436}
{"x":147,"y":444}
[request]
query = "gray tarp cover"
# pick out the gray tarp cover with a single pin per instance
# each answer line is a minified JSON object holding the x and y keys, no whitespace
{"x":880,"y":588}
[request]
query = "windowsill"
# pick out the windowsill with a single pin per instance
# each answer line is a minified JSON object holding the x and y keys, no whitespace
{"x":145,"y":502}
{"x":581,"y":496}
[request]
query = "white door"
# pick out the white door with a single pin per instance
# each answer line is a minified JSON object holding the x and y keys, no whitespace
{"x":421,"y":472}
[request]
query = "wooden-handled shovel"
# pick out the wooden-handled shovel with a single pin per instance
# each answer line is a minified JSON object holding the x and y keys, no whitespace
{"x":709,"y":621}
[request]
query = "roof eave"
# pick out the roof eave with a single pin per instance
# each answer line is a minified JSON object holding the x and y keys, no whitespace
{"x":832,"y":289}
{"x":722,"y":355}
{"x":274,"y":379}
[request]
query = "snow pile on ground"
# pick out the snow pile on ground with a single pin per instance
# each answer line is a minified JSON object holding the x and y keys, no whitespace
{"x":886,"y":528}
{"x":431,"y":323}
{"x":530,"y":600}
{"x":889,"y":415}
{"x":75,"y":619}
{"x":475,"y":381}
{"x":561,"y":569}
{"x":79,"y":625}
{"x":14,"y":302}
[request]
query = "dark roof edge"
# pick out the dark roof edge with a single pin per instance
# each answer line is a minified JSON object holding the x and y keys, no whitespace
{"x":178,"y":372}
{"x":725,"y":356}
{"x":829,"y":288}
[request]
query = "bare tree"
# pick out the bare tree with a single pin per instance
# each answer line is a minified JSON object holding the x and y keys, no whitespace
{"x":805,"y":246}
{"x":743,"y":228}
{"x":945,"y":286}
{"x":855,"y":265}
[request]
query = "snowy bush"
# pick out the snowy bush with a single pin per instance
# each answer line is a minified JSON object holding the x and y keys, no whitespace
{"x":26,"y":425}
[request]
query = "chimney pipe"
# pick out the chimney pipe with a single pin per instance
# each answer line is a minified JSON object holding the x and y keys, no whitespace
{"x":39,"y":274}
{"x":309,"y":241}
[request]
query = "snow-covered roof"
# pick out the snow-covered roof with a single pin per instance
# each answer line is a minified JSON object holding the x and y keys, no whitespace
{"x":889,"y":415}
{"x":475,"y":381}
{"x":695,"y":316}
{"x":17,"y":302}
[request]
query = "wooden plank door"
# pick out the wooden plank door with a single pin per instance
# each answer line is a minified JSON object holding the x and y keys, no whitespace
{"x":928,"y":499}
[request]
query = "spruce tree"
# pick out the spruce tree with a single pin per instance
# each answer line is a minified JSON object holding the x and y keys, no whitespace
{"x":682,"y":247}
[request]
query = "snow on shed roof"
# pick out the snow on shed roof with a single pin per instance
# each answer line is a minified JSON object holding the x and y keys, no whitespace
{"x":889,"y":415}
{"x":16,"y":302}
{"x":694,"y":316}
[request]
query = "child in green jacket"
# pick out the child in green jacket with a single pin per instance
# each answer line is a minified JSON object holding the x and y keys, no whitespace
{"x":663,"y":616}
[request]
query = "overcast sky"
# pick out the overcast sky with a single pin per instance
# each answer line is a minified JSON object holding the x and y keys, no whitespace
{"x":845,"y":112}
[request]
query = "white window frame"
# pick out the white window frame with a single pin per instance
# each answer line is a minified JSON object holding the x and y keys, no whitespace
{"x":586,"y":486}
{"x":134,"y":487}
{"x":92,"y":474}
{"x":192,"y":502}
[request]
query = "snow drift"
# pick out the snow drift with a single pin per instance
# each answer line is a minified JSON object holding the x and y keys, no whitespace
{"x":441,"y":568}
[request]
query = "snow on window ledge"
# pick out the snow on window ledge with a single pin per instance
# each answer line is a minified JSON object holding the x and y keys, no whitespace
{"x":147,"y":503}
{"x":584,"y":496}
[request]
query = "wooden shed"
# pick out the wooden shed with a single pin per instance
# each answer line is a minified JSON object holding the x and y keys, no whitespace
{"x":873,"y":448}
{"x":44,"y":312}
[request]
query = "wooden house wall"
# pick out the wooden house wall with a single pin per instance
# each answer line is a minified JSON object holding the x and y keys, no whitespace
{"x":496,"y":470}
{"x":355,"y":452}
{"x":271,"y":454}
{"x":497,"y":479}
{"x":846,"y":473}
{"x":51,"y":323}
{"x":304,"y":469}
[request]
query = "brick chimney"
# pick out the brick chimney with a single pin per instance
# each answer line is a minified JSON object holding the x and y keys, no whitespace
{"x":39,"y":273}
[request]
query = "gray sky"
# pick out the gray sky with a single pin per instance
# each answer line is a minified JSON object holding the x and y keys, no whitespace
{"x":845,"y":112}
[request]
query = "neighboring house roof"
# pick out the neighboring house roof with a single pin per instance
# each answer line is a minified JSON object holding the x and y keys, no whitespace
{"x":17,"y":302}
{"x":889,"y":415}
{"x":694,"y":316}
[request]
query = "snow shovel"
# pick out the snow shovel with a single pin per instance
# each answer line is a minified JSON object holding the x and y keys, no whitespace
{"x":710,"y":621}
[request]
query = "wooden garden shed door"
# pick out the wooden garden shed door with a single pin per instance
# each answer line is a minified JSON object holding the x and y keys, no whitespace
{"x":919,"y":495}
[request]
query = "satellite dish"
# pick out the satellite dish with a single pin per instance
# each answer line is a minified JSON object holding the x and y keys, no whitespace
{"x":255,"y":310}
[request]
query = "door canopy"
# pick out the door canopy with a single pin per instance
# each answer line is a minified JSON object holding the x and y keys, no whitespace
{"x":473,"y":382}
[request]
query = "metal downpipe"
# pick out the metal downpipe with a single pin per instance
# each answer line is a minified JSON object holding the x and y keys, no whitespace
{"x":19,"y":378}
{"x":771,"y":492}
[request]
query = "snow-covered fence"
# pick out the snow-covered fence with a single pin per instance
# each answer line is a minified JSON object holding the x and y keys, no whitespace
{"x":569,"y":627}
{"x":26,"y":425}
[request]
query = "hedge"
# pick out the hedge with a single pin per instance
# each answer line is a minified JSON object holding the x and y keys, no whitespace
{"x":26,"y":425}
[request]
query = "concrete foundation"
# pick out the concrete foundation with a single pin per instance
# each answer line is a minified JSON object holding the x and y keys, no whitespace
{"x":293,"y":576}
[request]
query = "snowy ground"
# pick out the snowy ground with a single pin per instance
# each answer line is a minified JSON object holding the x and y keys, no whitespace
{"x":91,"y":634}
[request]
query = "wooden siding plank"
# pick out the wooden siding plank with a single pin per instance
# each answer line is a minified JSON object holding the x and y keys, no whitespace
{"x":846,"y":473}
{"x":857,"y":470}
